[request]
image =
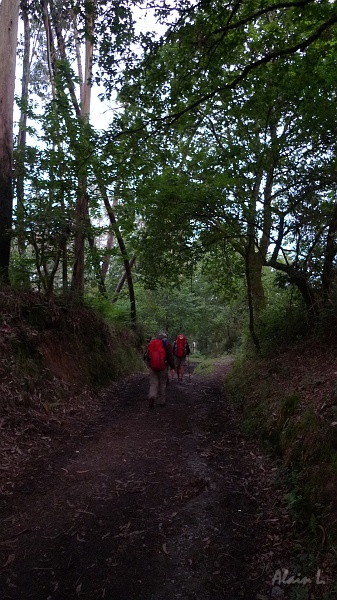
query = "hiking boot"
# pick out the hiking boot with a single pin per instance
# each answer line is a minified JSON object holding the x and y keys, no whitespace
{"x":151,"y":403}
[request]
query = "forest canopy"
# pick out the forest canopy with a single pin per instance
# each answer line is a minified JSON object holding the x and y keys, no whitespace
{"x":217,"y":165}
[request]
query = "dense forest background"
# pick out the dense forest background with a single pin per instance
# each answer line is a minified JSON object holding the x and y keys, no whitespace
{"x":207,"y":201}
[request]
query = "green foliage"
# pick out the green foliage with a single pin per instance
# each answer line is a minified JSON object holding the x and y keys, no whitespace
{"x":224,"y":135}
{"x":112,"y":313}
{"x":284,"y":319}
{"x":211,"y":321}
{"x":22,"y":270}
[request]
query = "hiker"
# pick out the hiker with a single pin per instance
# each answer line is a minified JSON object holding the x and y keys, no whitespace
{"x":181,"y":349}
{"x":167,"y":343}
{"x":159,"y":358}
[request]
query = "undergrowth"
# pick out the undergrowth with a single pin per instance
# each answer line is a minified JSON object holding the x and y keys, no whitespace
{"x":50,"y":349}
{"x":288,"y":402}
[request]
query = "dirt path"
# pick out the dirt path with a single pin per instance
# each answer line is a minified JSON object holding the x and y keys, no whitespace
{"x":150,"y":505}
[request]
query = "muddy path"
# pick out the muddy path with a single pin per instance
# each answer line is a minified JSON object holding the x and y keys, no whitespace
{"x":150,"y":505}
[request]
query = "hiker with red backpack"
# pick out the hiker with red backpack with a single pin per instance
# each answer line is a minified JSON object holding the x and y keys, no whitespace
{"x":181,"y":349}
{"x":159,"y":358}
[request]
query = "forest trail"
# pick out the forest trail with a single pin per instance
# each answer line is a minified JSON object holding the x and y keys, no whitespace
{"x":148,"y":505}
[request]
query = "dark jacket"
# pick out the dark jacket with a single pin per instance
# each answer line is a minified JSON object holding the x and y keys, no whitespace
{"x":169,"y":354}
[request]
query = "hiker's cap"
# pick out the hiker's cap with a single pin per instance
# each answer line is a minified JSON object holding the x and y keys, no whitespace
{"x":162,"y":335}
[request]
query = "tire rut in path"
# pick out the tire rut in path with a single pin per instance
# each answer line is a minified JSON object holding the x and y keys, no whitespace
{"x":166,"y":504}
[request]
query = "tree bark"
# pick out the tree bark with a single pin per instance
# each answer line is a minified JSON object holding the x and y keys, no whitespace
{"x":111,"y":214}
{"x":253,"y":258}
{"x":82,"y":112}
{"x":106,"y":260}
{"x":21,"y":146}
{"x":122,"y":281}
{"x":77,"y":283}
{"x":9,"y":16}
{"x":251,"y":294}
{"x":329,"y":272}
{"x":82,"y":201}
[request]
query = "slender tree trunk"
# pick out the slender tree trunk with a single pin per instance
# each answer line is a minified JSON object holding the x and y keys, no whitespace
{"x":122,"y":281}
{"x":251,"y":297}
{"x":9,"y":16}
{"x":96,"y":263}
{"x":50,"y":45}
{"x":106,"y":260}
{"x":82,"y":112}
{"x":82,"y":203}
{"x":77,"y":283}
{"x":65,"y":266}
{"x":21,"y":147}
{"x":329,"y":272}
{"x":123,"y":251}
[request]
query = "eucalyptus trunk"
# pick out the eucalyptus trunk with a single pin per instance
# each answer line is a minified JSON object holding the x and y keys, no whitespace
{"x":81,"y":219}
{"x":9,"y":16}
{"x":22,"y":136}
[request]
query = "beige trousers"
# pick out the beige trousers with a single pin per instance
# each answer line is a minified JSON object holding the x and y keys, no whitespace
{"x":157,"y":391}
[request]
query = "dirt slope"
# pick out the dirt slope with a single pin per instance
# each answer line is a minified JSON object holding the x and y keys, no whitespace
{"x":149,"y":505}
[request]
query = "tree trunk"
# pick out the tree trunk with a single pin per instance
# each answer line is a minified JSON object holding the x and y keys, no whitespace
{"x":254,"y":264}
{"x":82,"y":111}
{"x":252,"y":285}
{"x":106,"y":261}
{"x":9,"y":16}
{"x":300,"y":280}
{"x":329,"y":273}
{"x":308,"y":295}
{"x":82,"y":203}
{"x":122,"y":281}
{"x":253,"y":258}
{"x":133,"y":315}
{"x":77,"y":283}
{"x":21,"y":147}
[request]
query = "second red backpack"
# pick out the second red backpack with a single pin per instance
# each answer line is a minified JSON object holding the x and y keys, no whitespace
{"x":157,"y":355}
{"x":180,"y":346}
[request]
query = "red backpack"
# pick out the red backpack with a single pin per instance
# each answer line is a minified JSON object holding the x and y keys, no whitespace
{"x":157,"y":355}
{"x":180,"y":346}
